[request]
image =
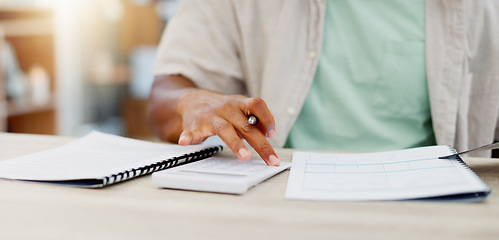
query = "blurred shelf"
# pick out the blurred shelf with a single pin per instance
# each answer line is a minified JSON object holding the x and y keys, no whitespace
{"x":134,"y":112}
{"x":37,"y":122}
{"x":28,"y":106}
{"x":26,"y":21}
{"x":24,"y":12}
{"x":27,"y":27}
{"x":30,"y":32}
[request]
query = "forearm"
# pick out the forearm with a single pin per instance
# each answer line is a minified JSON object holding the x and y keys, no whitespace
{"x":163,"y":115}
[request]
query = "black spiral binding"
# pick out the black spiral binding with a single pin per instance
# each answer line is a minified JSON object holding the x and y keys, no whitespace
{"x":461,"y":162}
{"x":466,"y":197}
{"x":465,"y":166}
{"x":164,"y":164}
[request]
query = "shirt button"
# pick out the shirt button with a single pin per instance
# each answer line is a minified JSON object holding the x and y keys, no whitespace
{"x":311,"y":54}
{"x":290,"y":110}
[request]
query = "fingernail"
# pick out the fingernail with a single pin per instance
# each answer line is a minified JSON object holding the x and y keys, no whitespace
{"x":184,"y":140}
{"x":271,"y":133}
{"x":244,"y":154}
{"x":274,"y":161}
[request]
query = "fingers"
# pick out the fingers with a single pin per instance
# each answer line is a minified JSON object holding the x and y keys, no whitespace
{"x":192,"y":137}
{"x":206,"y":113}
{"x":228,"y":134}
{"x":225,"y":131}
{"x":255,"y":138}
{"x":230,"y":131}
{"x":185,"y":138}
{"x":258,"y":107}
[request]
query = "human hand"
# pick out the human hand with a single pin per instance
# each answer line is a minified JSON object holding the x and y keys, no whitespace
{"x":207,"y":113}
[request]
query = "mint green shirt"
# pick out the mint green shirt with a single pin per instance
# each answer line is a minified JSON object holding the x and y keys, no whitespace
{"x":370,"y":91}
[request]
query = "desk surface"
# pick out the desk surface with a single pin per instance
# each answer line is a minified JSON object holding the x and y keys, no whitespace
{"x":136,"y":209}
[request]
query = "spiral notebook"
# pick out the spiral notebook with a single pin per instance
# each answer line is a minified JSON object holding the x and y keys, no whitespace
{"x":415,"y":173}
{"x":100,"y":159}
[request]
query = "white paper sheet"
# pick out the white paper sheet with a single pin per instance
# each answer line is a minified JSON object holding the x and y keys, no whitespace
{"x":394,"y":175}
{"x":92,"y":157}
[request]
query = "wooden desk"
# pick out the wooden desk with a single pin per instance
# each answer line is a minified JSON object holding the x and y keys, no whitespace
{"x":136,"y":209}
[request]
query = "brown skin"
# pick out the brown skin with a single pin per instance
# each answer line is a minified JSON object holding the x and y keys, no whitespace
{"x":181,"y":112}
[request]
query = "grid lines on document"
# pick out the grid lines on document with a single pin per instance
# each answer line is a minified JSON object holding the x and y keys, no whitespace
{"x":343,"y":172}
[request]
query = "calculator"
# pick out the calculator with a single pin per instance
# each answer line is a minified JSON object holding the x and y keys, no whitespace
{"x":217,"y":174}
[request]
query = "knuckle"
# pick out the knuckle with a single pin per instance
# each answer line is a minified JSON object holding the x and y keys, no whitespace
{"x":256,"y":103}
{"x":264,"y":148}
{"x":225,"y":109}
{"x":221,"y":126}
{"x":246,"y":127}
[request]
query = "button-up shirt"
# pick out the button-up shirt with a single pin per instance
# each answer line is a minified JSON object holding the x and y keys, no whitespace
{"x":269,"y":49}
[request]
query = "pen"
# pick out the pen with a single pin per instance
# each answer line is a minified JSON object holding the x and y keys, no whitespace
{"x":485,"y":147}
{"x":252,"y":119}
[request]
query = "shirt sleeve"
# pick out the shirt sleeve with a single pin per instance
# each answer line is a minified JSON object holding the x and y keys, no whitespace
{"x":201,"y":43}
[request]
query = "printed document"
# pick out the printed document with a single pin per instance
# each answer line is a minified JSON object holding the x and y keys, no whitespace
{"x":395,"y":175}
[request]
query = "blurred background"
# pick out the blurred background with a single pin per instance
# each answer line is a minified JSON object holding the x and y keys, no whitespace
{"x":71,"y":66}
